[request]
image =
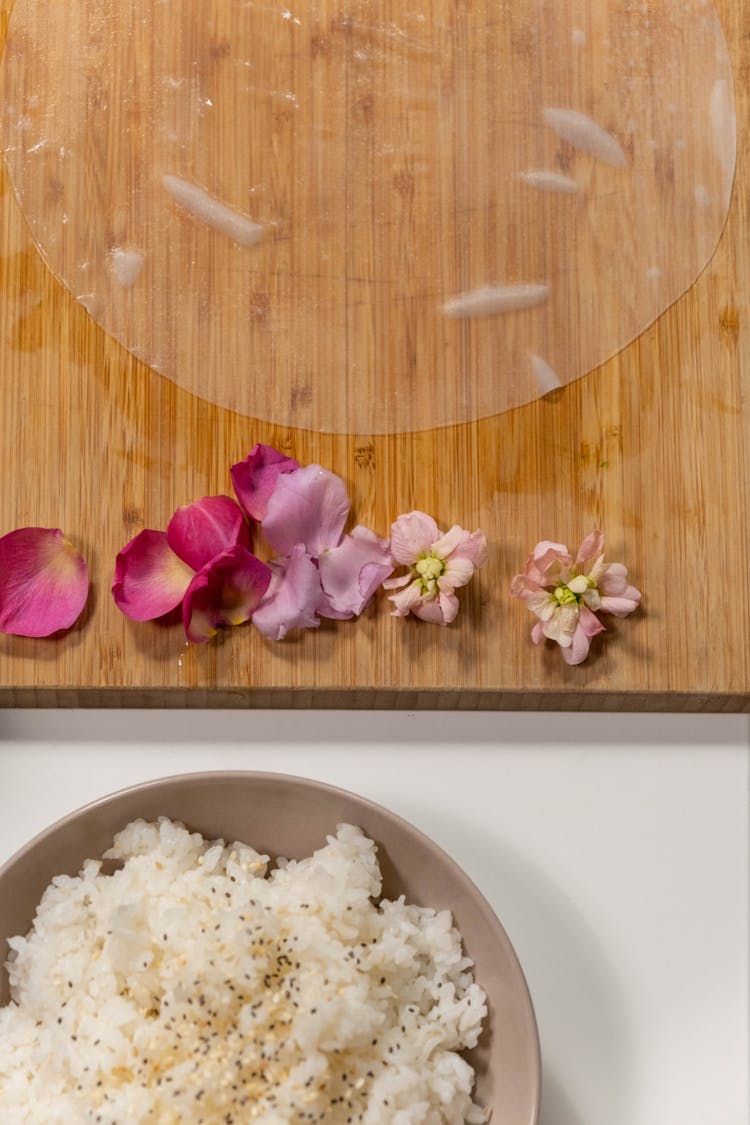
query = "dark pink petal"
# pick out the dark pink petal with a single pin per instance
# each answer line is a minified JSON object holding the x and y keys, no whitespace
{"x":254,"y":479}
{"x":150,"y":579}
{"x":293,"y":596}
{"x":351,"y":573}
{"x":44,"y":582}
{"x":225,"y":592}
{"x":310,"y":507}
{"x":200,"y":531}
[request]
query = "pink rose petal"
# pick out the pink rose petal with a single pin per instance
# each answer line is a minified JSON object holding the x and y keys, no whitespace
{"x":293,"y":597}
{"x":150,"y":580}
{"x":309,"y":506}
{"x":43,"y":582}
{"x":200,"y":531}
{"x":225,"y":592}
{"x":351,"y":573}
{"x":411,"y":536}
{"x":254,"y":479}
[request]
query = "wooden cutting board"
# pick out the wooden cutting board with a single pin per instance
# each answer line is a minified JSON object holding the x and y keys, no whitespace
{"x":647,"y":438}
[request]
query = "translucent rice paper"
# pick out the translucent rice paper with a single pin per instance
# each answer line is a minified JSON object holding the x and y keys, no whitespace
{"x":370,"y":217}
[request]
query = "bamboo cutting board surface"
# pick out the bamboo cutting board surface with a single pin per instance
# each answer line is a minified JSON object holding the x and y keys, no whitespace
{"x":339,"y":313}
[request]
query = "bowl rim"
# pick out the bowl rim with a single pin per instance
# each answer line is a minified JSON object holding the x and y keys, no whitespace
{"x":401,"y":823}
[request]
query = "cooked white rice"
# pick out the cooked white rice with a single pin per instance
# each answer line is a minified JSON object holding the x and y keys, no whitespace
{"x":190,"y":986}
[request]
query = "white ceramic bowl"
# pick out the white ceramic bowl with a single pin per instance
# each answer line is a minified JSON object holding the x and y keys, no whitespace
{"x":290,"y":816}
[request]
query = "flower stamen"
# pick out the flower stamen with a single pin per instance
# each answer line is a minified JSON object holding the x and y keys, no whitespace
{"x":565,"y":596}
{"x":429,"y":568}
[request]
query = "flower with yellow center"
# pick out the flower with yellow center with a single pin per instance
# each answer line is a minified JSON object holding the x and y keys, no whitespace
{"x":438,"y":564}
{"x":565,"y":594}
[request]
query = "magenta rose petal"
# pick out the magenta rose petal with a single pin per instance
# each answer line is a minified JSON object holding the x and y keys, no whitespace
{"x":225,"y":592}
{"x":309,"y":506}
{"x":200,"y":531}
{"x":150,"y":580}
{"x":254,"y":479}
{"x":44,"y":582}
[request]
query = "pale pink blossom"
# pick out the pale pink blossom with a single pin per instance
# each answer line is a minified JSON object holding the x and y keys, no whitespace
{"x":567,"y":593}
{"x":438,"y":564}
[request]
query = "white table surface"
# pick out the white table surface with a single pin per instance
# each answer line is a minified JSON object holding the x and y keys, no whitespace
{"x":614,"y":848}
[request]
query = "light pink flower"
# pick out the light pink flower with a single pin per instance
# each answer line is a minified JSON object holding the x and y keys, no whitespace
{"x":438,"y":564}
{"x":319,"y":571}
{"x":44,"y":582}
{"x":566,"y":593}
{"x":201,"y":562}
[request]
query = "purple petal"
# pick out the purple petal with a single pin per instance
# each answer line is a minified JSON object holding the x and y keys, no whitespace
{"x":352,"y":572}
{"x":200,"y":531}
{"x":310,"y":507}
{"x":44,"y":582}
{"x":411,"y":536}
{"x":293,"y":596}
{"x":150,"y":579}
{"x":225,"y":592}
{"x":254,"y":479}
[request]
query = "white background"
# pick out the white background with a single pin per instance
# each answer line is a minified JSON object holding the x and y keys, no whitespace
{"x":614,"y":849}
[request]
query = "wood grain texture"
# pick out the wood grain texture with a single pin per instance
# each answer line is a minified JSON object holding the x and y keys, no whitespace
{"x":652,"y":447}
